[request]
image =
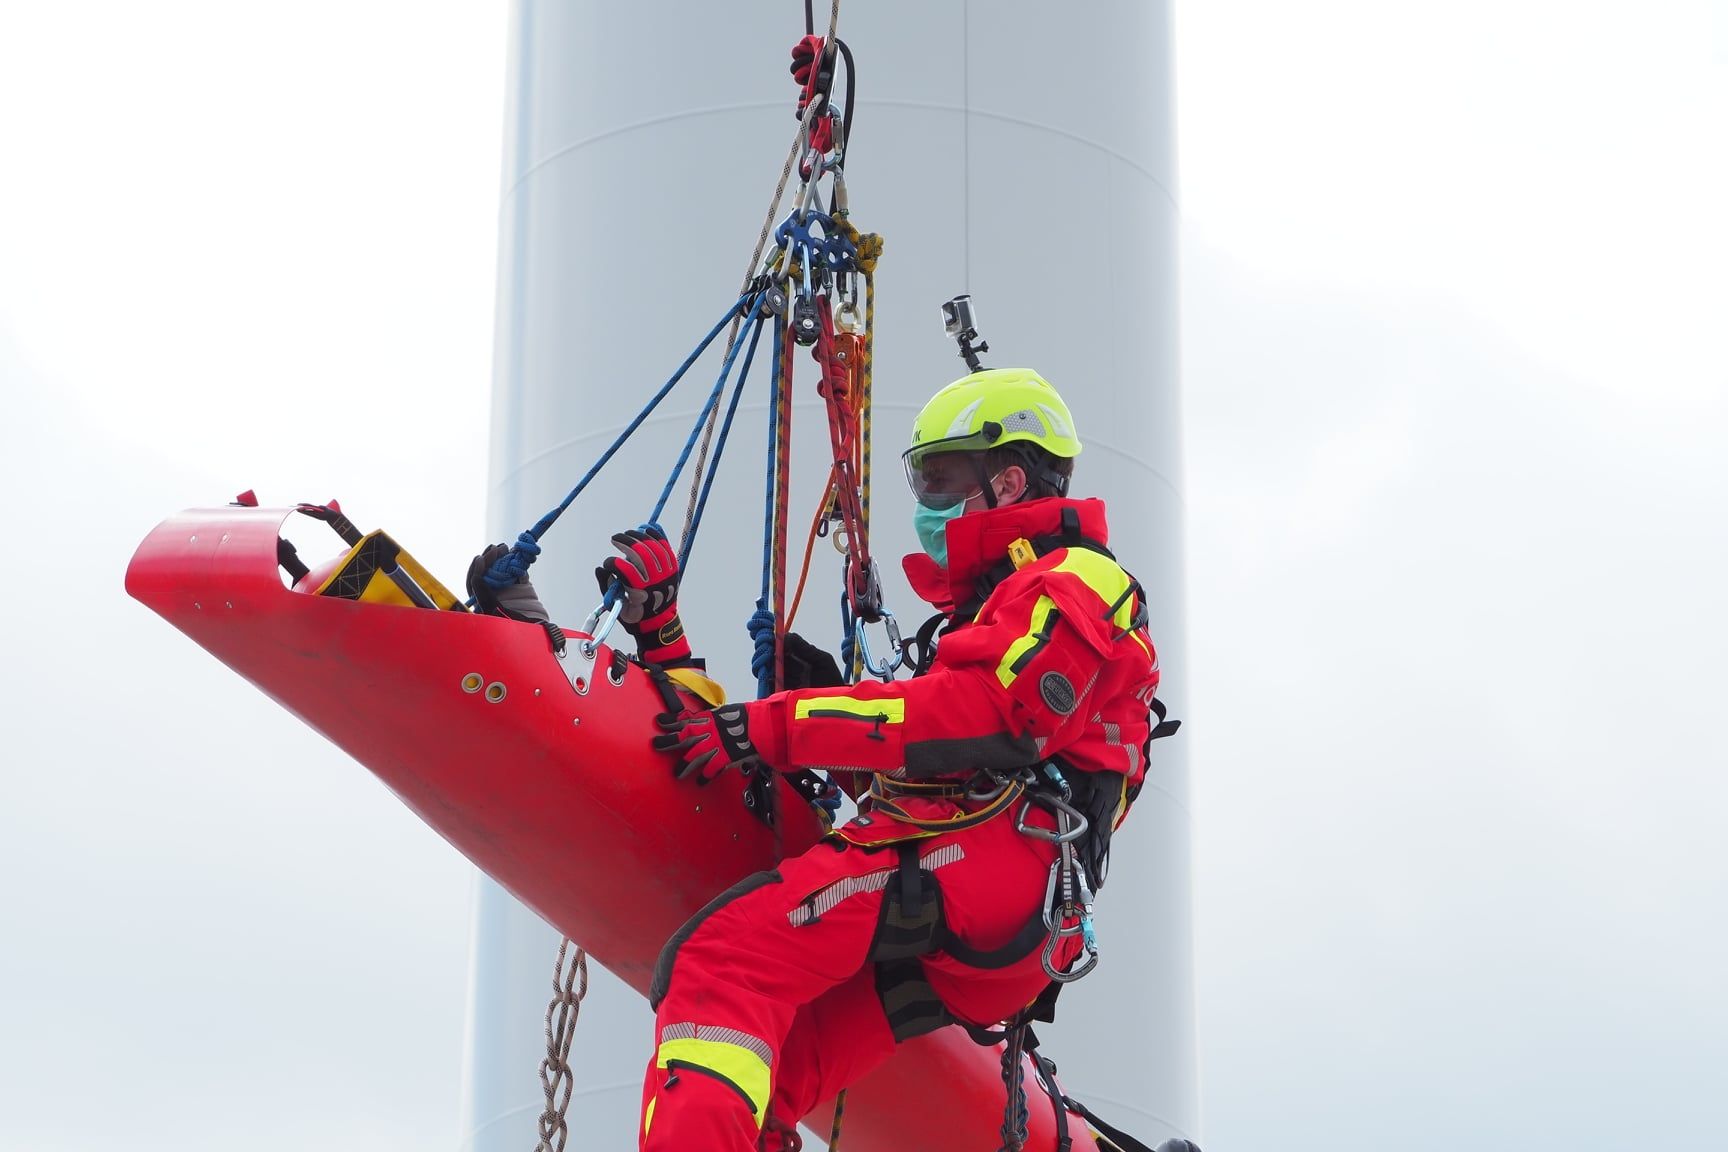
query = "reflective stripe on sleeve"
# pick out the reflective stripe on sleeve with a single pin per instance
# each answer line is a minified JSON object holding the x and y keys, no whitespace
{"x":1109,"y":582}
{"x":1020,"y":652}
{"x":886,"y":711}
{"x":1104,"y":576}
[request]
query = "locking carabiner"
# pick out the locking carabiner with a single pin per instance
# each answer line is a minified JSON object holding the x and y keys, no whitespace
{"x":896,"y":648}
{"x":599,"y":624}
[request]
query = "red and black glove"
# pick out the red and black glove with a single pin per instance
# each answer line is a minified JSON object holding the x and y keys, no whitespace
{"x":708,"y":742}
{"x":647,"y":574}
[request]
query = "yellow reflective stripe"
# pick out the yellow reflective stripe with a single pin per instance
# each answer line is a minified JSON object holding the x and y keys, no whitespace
{"x":1040,"y":618}
{"x":889,"y":711}
{"x":648,"y":1117}
{"x":1104,"y":577}
{"x":735,"y":1062}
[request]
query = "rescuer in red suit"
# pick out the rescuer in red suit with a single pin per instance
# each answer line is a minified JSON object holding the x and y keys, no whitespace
{"x":927,"y":908}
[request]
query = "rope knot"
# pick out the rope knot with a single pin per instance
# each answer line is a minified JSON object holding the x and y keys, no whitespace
{"x":867,"y":245}
{"x":762,"y":635}
{"x":512,"y":566}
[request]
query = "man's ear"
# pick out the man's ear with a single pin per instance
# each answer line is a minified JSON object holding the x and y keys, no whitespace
{"x":1010,"y":485}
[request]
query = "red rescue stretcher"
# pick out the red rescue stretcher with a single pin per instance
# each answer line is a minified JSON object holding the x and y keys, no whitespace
{"x":537,"y":768}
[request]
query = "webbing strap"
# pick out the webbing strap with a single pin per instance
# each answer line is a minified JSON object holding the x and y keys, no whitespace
{"x":1164,"y":727}
{"x":1046,"y":1070}
{"x":1118,"y":1138}
{"x":913,"y":923}
{"x":885,"y":802}
{"x":289,"y":558}
{"x":333,"y":516}
{"x":1025,"y":942}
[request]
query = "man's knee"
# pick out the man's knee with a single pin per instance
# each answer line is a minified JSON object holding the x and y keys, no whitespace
{"x":662,"y":981}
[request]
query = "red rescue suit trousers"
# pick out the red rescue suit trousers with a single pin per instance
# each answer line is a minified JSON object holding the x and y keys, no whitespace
{"x":767,"y":1003}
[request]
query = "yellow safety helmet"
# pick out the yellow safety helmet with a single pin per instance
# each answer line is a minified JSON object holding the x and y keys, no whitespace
{"x":991,"y":408}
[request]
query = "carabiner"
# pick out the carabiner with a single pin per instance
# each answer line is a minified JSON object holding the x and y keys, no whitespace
{"x":847,"y":319}
{"x":897,"y":650}
{"x":603,"y":617}
{"x":1071,"y":823}
{"x":1074,"y":875}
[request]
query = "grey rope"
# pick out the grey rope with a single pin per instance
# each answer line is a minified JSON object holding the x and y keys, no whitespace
{"x":1014,"y":1111}
{"x":568,"y":989}
{"x":798,"y":144}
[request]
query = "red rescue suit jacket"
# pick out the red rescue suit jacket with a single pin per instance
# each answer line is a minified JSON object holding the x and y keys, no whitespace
{"x":1051,"y":665}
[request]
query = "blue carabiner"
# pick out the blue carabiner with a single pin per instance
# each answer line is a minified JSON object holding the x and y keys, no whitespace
{"x":897,"y":650}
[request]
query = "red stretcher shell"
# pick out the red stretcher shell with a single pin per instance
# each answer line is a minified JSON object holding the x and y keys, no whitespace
{"x":552,"y":792}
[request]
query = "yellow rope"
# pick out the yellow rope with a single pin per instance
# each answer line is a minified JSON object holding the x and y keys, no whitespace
{"x":868,"y":249}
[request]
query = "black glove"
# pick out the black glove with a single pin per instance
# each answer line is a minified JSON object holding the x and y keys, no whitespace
{"x":516,"y":600}
{"x":808,"y":666}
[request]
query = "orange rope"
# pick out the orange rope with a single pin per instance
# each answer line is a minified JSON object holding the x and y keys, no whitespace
{"x":809,"y":548}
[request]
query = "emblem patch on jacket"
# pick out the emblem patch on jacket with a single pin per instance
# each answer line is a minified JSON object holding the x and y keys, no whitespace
{"x":1058,"y":693}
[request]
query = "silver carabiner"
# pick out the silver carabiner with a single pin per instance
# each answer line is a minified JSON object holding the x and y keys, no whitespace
{"x":602,"y":618}
{"x":1071,"y":823}
{"x":847,"y":318}
{"x":897,"y":650}
{"x":1054,"y":911}
{"x":1049,"y":959}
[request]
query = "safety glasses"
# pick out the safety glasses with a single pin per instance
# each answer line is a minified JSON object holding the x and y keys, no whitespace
{"x":947,"y":472}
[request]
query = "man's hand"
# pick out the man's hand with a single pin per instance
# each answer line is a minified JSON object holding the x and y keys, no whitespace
{"x":808,"y":666}
{"x":647,"y":575}
{"x":707,"y":743}
{"x":516,"y":599}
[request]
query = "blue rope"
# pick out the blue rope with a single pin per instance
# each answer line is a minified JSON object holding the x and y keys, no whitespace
{"x":761,"y":629}
{"x":720,"y":445}
{"x":848,"y":638}
{"x":764,"y":668}
{"x":702,"y":416}
{"x":514,"y":564}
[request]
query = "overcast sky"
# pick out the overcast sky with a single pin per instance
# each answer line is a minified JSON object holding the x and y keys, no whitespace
{"x":1456,"y":386}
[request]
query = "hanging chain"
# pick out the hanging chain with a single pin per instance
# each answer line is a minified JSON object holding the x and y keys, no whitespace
{"x":568,"y":989}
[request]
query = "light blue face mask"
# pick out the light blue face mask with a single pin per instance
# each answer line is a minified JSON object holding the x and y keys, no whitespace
{"x":932,"y":527}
